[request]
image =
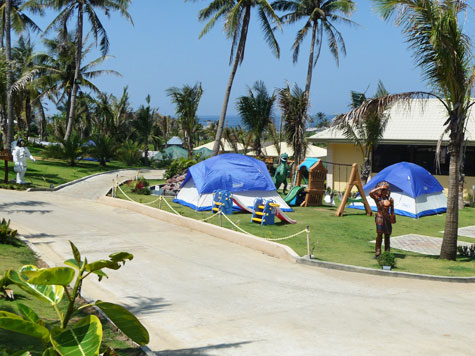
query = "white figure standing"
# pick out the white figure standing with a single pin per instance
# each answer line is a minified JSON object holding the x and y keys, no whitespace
{"x":20,"y":154}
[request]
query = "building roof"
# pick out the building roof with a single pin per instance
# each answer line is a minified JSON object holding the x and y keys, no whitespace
{"x":312,"y":151}
{"x":419,"y":123}
{"x":227,"y":146}
{"x":175,"y":140}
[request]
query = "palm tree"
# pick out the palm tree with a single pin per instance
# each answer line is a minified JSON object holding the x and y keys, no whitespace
{"x":293,"y":104}
{"x":366,"y":132}
{"x":255,"y":110}
{"x":67,"y":10}
{"x":320,"y":17}
{"x":19,"y":20}
{"x":237,"y":15}
{"x":144,"y":121}
{"x":443,"y":51}
{"x":186,"y":101}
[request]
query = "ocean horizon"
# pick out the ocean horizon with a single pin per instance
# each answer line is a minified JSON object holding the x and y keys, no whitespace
{"x":235,"y":120}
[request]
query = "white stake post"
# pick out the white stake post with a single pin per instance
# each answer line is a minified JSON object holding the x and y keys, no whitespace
{"x":308,"y":243}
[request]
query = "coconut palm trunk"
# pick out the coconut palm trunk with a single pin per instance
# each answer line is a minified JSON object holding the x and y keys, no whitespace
{"x":8,"y":55}
{"x":237,"y":61}
{"x":449,"y":243}
{"x":77,"y":72}
{"x":308,"y":84}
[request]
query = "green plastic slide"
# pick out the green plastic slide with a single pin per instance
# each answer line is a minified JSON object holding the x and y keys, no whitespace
{"x":293,"y":193}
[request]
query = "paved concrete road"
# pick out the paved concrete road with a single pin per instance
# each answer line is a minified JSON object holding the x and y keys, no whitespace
{"x":199,"y":295}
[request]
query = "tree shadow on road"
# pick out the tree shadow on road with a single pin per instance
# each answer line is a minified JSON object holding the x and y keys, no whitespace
{"x":200,"y":351}
{"x":143,"y":305}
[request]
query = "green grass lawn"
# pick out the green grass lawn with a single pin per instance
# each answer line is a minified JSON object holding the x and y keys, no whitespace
{"x":345,"y":239}
{"x":13,"y":257}
{"x":48,"y":171}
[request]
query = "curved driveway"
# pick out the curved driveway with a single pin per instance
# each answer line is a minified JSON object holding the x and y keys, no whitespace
{"x":199,"y":295}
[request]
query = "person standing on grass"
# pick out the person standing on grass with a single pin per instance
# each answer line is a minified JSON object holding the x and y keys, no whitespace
{"x":385,"y":216}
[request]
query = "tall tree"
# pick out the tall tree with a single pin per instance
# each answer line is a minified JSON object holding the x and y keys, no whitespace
{"x":19,"y":20}
{"x":366,"y":132}
{"x":144,"y":121}
{"x":237,"y":17}
{"x":293,"y":104}
{"x":78,"y":8}
{"x":320,"y":17}
{"x":8,"y":55}
{"x":443,"y":51}
{"x":186,"y":102}
{"x":255,"y":110}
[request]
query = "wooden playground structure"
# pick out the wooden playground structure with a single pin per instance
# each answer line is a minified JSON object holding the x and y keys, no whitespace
{"x":316,"y":184}
{"x":354,"y":181}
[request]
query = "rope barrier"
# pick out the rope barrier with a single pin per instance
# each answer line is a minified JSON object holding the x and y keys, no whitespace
{"x":212,"y":216}
{"x":232,"y":223}
{"x":287,"y":237}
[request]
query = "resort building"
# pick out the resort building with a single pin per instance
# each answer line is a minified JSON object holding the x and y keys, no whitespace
{"x":411,"y":135}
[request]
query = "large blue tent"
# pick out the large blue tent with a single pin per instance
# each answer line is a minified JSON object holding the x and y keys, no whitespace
{"x":415,"y":191}
{"x":242,"y":175}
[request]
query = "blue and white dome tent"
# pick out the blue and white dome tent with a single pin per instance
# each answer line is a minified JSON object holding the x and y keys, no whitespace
{"x":246,"y":177}
{"x":415,"y":191}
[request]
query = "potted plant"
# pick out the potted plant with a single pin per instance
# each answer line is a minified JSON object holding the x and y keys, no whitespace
{"x":387,"y":260}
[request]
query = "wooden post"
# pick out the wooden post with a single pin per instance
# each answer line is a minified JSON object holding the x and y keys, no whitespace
{"x":6,"y":172}
{"x":220,"y":217}
{"x":160,"y":202}
{"x":308,"y":243}
{"x":6,"y":156}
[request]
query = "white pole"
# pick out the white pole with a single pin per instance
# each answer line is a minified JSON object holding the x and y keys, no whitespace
{"x":308,"y":243}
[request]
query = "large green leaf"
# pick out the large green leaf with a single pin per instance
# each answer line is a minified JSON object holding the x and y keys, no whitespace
{"x":82,"y":339}
{"x":73,"y":263}
{"x":15,"y":323}
{"x":76,"y":253}
{"x":98,"y":265}
{"x":29,"y":314}
{"x":50,"y":352}
{"x":49,"y":294}
{"x":51,"y":276}
{"x":121,"y":257}
{"x":125,"y":321}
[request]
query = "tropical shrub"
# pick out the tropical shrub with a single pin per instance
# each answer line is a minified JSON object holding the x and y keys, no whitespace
{"x":387,"y":259}
{"x":7,"y":235}
{"x":68,"y":150}
{"x":103,"y":149}
{"x":178,"y":166}
{"x":466,"y":251}
{"x":50,"y":285}
{"x":141,"y":186}
{"x":129,"y":153}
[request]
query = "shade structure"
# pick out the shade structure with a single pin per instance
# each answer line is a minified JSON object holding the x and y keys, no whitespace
{"x":415,"y":191}
{"x":172,"y":152}
{"x":203,"y":152}
{"x":243,"y":176}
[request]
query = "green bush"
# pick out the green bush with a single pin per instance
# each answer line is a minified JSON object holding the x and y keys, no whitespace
{"x":387,"y":259}
{"x":67,"y":336}
{"x":7,"y":235}
{"x":178,"y":166}
{"x":466,"y":251}
{"x":129,"y":153}
{"x":141,"y":186}
{"x":104,"y":148}
{"x":68,"y":150}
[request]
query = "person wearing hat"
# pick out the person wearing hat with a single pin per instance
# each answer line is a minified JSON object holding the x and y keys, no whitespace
{"x":385,"y":216}
{"x":20,"y":154}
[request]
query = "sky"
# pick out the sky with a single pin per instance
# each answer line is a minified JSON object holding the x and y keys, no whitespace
{"x":162,"y":50}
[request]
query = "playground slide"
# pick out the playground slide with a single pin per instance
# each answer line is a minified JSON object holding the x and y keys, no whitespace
{"x":293,"y":193}
{"x":282,"y":216}
{"x":241,"y":205}
{"x":278,"y":212}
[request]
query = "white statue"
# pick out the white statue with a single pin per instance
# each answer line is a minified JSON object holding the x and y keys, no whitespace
{"x":20,"y":154}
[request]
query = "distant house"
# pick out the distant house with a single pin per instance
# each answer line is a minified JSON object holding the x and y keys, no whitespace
{"x":175,"y":141}
{"x":411,"y":135}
